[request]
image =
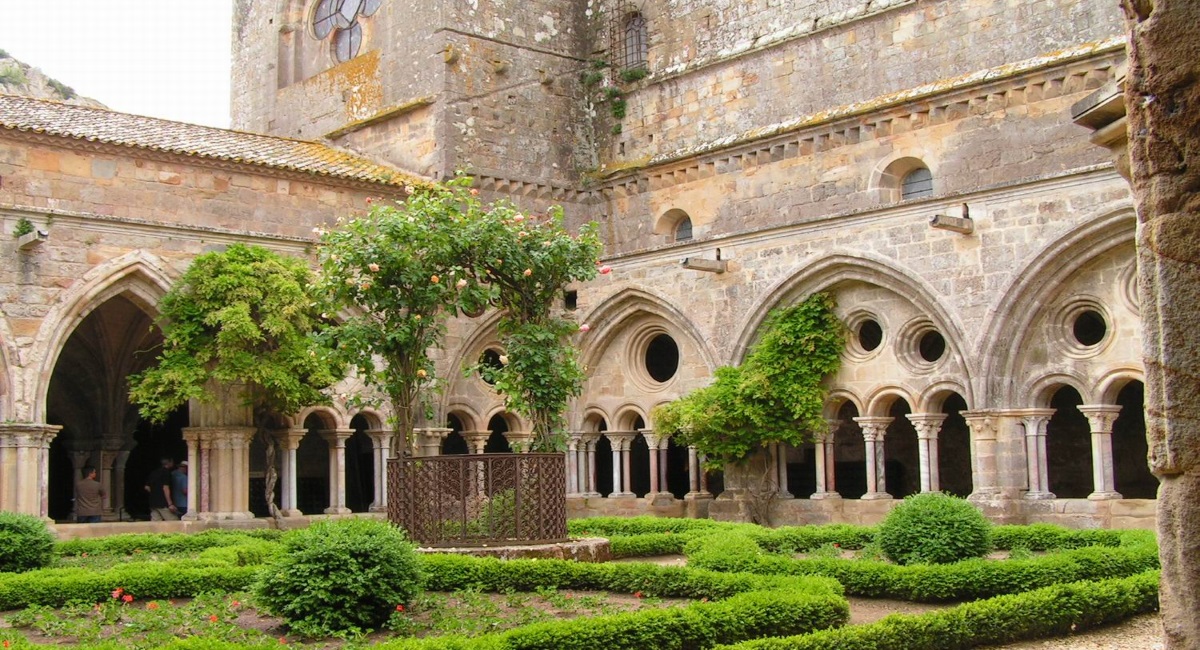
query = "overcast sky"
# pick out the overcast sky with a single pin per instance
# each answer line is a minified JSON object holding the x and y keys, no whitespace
{"x":165,"y":58}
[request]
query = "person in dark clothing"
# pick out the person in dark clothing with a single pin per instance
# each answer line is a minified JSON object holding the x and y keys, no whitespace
{"x":158,"y":484}
{"x":88,"y":494}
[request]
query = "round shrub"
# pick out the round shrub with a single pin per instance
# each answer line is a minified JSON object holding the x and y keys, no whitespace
{"x":934,"y":528}
{"x":340,"y":576}
{"x":723,"y":552}
{"x":25,"y":542}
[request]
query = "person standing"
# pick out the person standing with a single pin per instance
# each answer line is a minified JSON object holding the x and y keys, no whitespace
{"x":88,"y":495}
{"x":158,"y":484}
{"x":179,"y":488}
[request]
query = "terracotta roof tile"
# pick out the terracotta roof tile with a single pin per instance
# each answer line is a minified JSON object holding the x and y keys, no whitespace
{"x":154,"y":134}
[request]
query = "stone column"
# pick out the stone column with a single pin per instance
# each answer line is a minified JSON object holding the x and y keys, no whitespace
{"x":985,"y":476}
{"x":1100,"y":421}
{"x":336,"y":439}
{"x":381,"y":447}
{"x":222,"y":471}
{"x":704,"y":477}
{"x":693,"y":472}
{"x":476,"y":440}
{"x":118,"y":487}
{"x":826,"y":479}
{"x":24,"y":466}
{"x":193,"y":453}
{"x":289,"y":442}
{"x":652,"y":442}
{"x":874,"y":429}
{"x":928,"y":426}
{"x":1035,"y":422}
{"x":79,"y":460}
{"x":621,"y":441}
{"x":781,"y":470}
{"x":520,"y":441}
{"x":573,"y":482}
{"x":429,"y":440}
{"x":588,"y":455}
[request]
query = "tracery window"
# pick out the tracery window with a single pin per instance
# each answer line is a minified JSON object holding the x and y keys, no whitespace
{"x":341,"y":19}
{"x":635,"y":48}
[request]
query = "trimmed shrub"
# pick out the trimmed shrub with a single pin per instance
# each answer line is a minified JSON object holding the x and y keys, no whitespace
{"x":250,"y":552}
{"x":163,"y":543}
{"x":934,"y":528}
{"x":25,"y":543}
{"x":142,"y":580}
{"x":724,"y":552}
{"x":1048,"y":537}
{"x":1050,"y":611}
{"x":340,"y":576}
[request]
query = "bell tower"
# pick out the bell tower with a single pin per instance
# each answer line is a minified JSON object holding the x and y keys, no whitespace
{"x":432,"y":87}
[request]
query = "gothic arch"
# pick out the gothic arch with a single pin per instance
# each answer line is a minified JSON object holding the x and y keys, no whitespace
{"x":593,"y":417}
{"x":1017,"y":310}
{"x":138,"y":276}
{"x":840,"y":267}
{"x":330,"y":417}
{"x":467,"y":416}
{"x":1041,"y":391}
{"x":934,"y":397}
{"x":375,"y":420}
{"x":627,"y":417}
{"x":514,"y":421}
{"x":609,"y":318}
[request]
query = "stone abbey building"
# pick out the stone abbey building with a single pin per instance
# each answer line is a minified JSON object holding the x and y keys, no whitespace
{"x":917,"y":159}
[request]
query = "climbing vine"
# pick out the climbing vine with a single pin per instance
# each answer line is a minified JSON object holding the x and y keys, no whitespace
{"x":774,"y":396}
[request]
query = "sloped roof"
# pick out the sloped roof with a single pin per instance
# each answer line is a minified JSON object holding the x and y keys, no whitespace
{"x":154,"y":134}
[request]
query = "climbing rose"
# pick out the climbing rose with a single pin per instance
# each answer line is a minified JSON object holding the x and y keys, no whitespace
{"x":435,"y":279}
{"x":127,"y":598}
{"x":421,"y":373}
{"x":399,"y":608}
{"x":374,"y":267}
{"x":528,"y":272}
{"x":605,"y":270}
{"x":585,"y":328}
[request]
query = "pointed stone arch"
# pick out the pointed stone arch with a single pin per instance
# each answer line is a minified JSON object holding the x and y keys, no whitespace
{"x":839,"y":267}
{"x":140,"y":277}
{"x":1017,"y":310}
{"x":608,"y":319}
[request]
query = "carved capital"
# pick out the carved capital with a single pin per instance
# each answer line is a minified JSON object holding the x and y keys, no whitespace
{"x":1100,"y":416}
{"x":928,"y":425}
{"x":874,"y":428}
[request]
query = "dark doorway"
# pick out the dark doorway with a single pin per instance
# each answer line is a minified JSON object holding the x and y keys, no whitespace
{"x":1069,"y":447}
{"x":1130,"y":464}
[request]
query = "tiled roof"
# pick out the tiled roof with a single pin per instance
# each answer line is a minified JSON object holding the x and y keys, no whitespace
{"x":154,"y":134}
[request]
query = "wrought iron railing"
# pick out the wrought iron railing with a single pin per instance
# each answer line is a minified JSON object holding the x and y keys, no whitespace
{"x":479,"y":499}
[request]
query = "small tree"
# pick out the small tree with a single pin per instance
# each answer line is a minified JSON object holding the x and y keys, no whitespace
{"x":527,"y":262}
{"x":243,"y":317}
{"x":774,"y":396}
{"x":395,"y":275}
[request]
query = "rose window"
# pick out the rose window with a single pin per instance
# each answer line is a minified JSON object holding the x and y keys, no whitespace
{"x":339,"y":20}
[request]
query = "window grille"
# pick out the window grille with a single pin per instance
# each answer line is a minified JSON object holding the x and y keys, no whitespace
{"x":917,"y":184}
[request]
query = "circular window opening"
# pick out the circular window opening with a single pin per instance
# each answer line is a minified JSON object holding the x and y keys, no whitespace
{"x":662,"y":358}
{"x":1089,"y":327}
{"x":489,"y":362}
{"x":932,"y":346}
{"x":870,"y":334}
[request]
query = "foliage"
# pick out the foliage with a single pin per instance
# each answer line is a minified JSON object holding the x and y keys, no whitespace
{"x":1048,"y":537}
{"x":25,"y":542}
{"x":13,"y":76}
{"x":243,"y":320}
{"x":24,"y":227}
{"x":129,"y":544}
{"x":1057,"y":610}
{"x":527,"y":261}
{"x":774,"y":396}
{"x":632,"y":75}
{"x":64,"y":91}
{"x":934,"y":528}
{"x":243,"y":317}
{"x":145,"y":580}
{"x":395,"y":276}
{"x":724,"y":552}
{"x":340,"y":576}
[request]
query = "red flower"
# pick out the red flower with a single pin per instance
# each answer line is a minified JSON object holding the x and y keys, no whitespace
{"x":836,"y":545}
{"x":152,"y":606}
{"x":6,"y":643}
{"x":117,"y":593}
{"x":235,"y":603}
{"x":283,"y":640}
{"x":213,"y":618}
{"x":399,"y":608}
{"x":637,"y":594}
{"x":127,"y":598}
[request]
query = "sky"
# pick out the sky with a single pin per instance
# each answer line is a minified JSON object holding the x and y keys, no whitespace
{"x":163,"y":58}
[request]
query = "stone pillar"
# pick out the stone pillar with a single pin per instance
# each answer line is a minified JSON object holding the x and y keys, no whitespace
{"x":289,"y":442}
{"x":693,"y":472}
{"x":79,"y":460}
{"x":429,"y":441}
{"x":222,"y":470}
{"x":1100,"y":421}
{"x":781,"y":470}
{"x":25,"y":467}
{"x":826,"y":479}
{"x":652,"y":442}
{"x":336,"y":439}
{"x":621,"y":442}
{"x":704,"y":477}
{"x":985,"y":478}
{"x":476,"y":440}
{"x":381,"y":451}
{"x":589,"y":440}
{"x":1035,"y":422}
{"x":573,"y":482}
{"x":874,"y":429}
{"x":928,"y":426}
{"x":193,"y":453}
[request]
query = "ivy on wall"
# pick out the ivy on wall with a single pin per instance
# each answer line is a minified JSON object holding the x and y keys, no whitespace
{"x":774,"y":396}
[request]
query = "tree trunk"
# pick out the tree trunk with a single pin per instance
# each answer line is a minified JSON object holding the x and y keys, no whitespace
{"x":1162,"y":97}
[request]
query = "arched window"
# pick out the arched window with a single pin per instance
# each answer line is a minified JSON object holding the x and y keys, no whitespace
{"x":635,"y":42}
{"x":683,"y":229}
{"x":917,"y":183}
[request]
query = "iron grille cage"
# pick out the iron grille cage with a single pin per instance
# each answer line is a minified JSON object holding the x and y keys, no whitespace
{"x":479,"y":499}
{"x":628,"y":45}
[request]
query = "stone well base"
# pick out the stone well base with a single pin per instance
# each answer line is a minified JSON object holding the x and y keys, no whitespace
{"x":593,"y":549}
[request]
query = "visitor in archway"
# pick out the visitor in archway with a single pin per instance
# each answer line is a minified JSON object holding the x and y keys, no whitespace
{"x":179,"y":491}
{"x":88,"y":494}
{"x":158,"y":484}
